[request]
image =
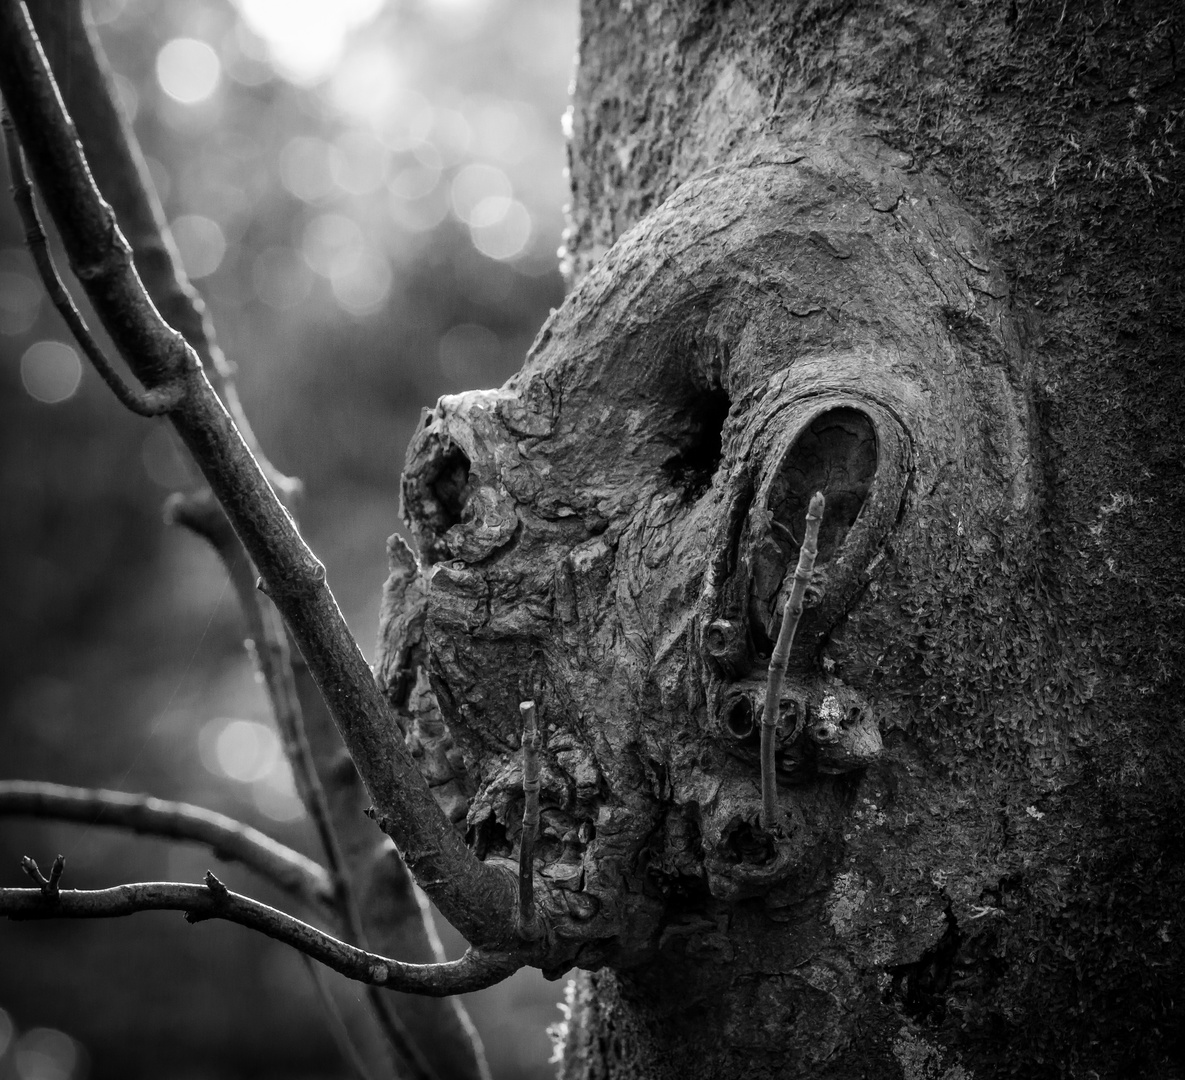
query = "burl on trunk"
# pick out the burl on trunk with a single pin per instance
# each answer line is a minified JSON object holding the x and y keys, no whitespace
{"x":779,"y":289}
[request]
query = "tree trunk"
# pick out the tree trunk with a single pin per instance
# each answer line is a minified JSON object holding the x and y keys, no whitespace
{"x":925,"y":257}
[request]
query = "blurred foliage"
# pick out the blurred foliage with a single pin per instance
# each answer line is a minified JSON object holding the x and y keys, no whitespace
{"x":369,"y":196}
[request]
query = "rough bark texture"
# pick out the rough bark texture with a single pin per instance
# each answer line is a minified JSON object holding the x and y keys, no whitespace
{"x":925,"y":257}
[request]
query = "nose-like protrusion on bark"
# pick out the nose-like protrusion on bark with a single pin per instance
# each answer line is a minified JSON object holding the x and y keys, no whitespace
{"x":453,"y":500}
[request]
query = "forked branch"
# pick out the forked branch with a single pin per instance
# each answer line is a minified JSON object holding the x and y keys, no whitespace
{"x":141,"y":402}
{"x":122,"y":176}
{"x":226,"y":838}
{"x":479,"y":899}
{"x":213,"y":900}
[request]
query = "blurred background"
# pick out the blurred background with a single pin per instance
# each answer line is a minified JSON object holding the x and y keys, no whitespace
{"x":368,"y":193}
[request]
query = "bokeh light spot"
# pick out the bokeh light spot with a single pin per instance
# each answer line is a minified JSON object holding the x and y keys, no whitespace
{"x":474,"y":183}
{"x":50,"y":371}
{"x":367,"y":87}
{"x":306,"y":38}
{"x":363,"y":286}
{"x":188,"y":70}
{"x":490,"y":211}
{"x":414,"y":181}
{"x":359,"y":164}
{"x":201,"y":242}
{"x":275,"y":794}
{"x":304,"y":168}
{"x":407,"y":122}
{"x":244,"y":750}
{"x":45,"y":1054}
{"x":332,"y":245}
{"x":419,"y":215}
{"x":500,"y":231}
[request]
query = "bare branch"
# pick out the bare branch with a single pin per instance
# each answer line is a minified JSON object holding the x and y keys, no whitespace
{"x":141,"y":402}
{"x":268,"y":643}
{"x":478,"y":898}
{"x":122,"y":176}
{"x":770,"y":812}
{"x":226,"y":838}
{"x":528,"y":923}
{"x":337,"y":1023}
{"x":213,"y":900}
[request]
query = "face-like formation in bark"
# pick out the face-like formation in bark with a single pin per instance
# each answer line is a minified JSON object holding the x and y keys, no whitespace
{"x":608,"y":535}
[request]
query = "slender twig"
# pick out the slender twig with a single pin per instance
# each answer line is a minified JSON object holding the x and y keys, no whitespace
{"x":141,"y":402}
{"x":122,"y":175}
{"x":770,"y":812}
{"x":528,"y":923}
{"x":213,"y":900}
{"x":268,"y":644}
{"x":478,"y":898}
{"x":337,"y":1023}
{"x":227,"y":838}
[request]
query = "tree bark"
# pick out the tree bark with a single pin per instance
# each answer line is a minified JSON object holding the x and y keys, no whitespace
{"x":927,"y":254}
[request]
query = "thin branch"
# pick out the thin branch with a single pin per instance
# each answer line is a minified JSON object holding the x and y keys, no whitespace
{"x":226,"y":838}
{"x":213,"y":900}
{"x":478,"y":898}
{"x":791,"y":613}
{"x":528,"y":922}
{"x":337,"y":1023}
{"x":268,"y":644}
{"x":141,"y":402}
{"x":122,"y":176}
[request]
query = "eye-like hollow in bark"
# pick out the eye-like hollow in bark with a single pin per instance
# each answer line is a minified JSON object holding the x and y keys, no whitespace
{"x":436,"y":494}
{"x":857,"y":454}
{"x":694,"y":462}
{"x":740,"y":718}
{"x":836,"y":455}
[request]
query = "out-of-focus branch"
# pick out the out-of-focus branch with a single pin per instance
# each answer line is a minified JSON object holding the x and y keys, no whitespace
{"x":76,"y":55}
{"x":213,"y":900}
{"x":395,"y":919}
{"x":142,"y":402}
{"x":479,"y":899}
{"x":269,"y":645}
{"x":75,"y":51}
{"x":226,"y":838}
{"x":337,"y":1023}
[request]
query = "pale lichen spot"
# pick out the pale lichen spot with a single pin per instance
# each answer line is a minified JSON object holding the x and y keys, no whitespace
{"x":831,"y":709}
{"x":846,"y":899}
{"x":922,"y":1060}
